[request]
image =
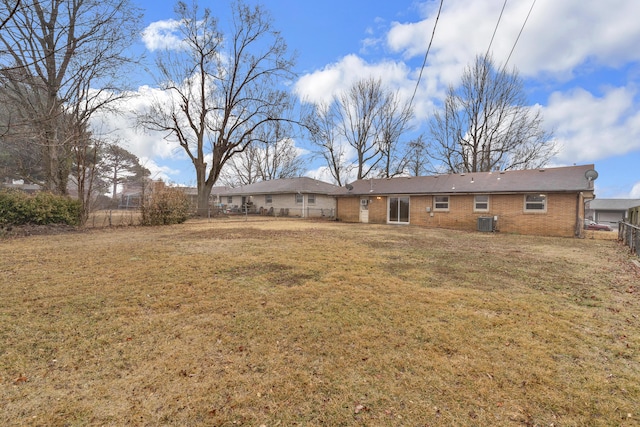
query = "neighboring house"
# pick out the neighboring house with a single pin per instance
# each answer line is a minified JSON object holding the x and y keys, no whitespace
{"x":302,"y":197}
{"x":27,"y":188}
{"x":610,"y":211}
{"x":541,"y":201}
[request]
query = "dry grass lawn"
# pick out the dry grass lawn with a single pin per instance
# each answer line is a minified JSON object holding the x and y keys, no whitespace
{"x":289,"y":322}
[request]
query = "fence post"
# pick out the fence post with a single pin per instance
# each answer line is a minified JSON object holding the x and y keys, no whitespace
{"x":630,"y":236}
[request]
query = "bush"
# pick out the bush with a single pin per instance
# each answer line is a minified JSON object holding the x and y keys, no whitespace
{"x":165,"y":206}
{"x":17,"y":208}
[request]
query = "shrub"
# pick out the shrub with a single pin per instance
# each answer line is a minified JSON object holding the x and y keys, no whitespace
{"x":165,"y":206}
{"x":19,"y":208}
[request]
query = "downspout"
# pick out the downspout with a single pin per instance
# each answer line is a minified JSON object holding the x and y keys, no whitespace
{"x":579,"y":220}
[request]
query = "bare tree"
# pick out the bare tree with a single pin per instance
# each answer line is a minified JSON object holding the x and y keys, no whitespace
{"x":264,"y":161}
{"x":321,"y":125}
{"x":225,"y":88}
{"x":416,"y":158}
{"x":86,"y":170}
{"x":486,"y":125}
{"x":20,"y":158}
{"x":10,"y":12}
{"x":243,"y":168}
{"x":64,"y":59}
{"x":370,"y":119}
{"x":394,"y":121}
{"x":279,"y":157}
{"x":359,"y":116}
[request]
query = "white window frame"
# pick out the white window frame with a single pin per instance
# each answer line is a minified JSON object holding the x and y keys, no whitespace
{"x":476,"y":202}
{"x":311,"y":199}
{"x":268,"y":199}
{"x":229,"y":200}
{"x":528,"y":203}
{"x":441,"y":202}
{"x":299,"y":198}
{"x":399,"y":200}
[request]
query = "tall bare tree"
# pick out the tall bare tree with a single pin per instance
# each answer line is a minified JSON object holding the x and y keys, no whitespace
{"x":359,"y":114}
{"x":369,"y":119}
{"x":225,"y":87}
{"x":320,"y":122}
{"x":64,"y":59}
{"x":394,"y":122}
{"x":485,"y":124}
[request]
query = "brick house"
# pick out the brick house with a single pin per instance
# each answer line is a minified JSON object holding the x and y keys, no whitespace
{"x":548,"y":202}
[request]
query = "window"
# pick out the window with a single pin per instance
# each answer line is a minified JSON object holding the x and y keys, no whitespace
{"x":299,"y":198}
{"x":481,"y":203}
{"x":441,"y":203}
{"x":311,"y":199}
{"x":268,"y":199}
{"x":535,"y":203}
{"x":229,"y":200}
{"x":399,"y":210}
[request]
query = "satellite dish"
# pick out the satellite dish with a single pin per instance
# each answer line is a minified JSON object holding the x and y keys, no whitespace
{"x":349,"y":187}
{"x":591,"y":175}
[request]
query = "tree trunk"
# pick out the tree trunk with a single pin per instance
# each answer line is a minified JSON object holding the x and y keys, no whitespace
{"x":204,"y":189}
{"x":203,"y":200}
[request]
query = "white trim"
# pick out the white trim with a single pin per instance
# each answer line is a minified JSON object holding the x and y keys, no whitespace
{"x":435,"y":203}
{"x":389,"y":221}
{"x":544,"y":202}
{"x":475,"y":203}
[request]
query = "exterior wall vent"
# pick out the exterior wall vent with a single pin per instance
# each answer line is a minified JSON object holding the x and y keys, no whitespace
{"x":485,"y":224}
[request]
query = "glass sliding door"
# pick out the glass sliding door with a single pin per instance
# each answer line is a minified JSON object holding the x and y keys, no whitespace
{"x":399,"y":210}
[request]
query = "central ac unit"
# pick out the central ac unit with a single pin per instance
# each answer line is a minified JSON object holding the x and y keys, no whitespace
{"x":485,"y":223}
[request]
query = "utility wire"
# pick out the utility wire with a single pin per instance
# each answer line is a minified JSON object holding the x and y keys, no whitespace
{"x":424,"y":62}
{"x":496,"y":28}
{"x":519,"y":34}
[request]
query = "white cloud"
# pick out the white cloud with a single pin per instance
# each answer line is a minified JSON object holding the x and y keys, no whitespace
{"x":162,"y":35}
{"x":557,"y":37}
{"x":323,"y":85}
{"x":635,"y":191}
{"x":590,"y":128}
{"x":121,"y":126}
{"x":322,"y":173}
{"x":162,"y":172}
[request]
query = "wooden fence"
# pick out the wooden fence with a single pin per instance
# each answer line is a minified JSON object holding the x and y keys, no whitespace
{"x":629,"y":234}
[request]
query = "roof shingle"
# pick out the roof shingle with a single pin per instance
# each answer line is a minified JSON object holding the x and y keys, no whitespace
{"x":561,"y":179}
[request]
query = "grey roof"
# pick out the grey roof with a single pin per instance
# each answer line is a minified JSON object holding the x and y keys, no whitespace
{"x":561,"y":179}
{"x":280,"y":186}
{"x":613,"y":204}
{"x":23,"y":187}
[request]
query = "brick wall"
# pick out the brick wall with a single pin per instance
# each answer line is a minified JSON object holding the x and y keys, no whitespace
{"x":348,"y":209}
{"x":558,"y":220}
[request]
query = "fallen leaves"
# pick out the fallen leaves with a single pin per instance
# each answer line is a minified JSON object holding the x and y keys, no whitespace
{"x":21,"y":379}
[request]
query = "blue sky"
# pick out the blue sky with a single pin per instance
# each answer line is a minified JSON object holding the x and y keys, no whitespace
{"x":579,"y":60}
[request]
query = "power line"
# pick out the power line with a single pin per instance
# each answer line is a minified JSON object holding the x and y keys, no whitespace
{"x":496,"y":28}
{"x":519,"y":34}
{"x":424,"y":62}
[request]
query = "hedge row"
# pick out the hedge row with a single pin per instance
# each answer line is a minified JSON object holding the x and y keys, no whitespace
{"x":17,"y":208}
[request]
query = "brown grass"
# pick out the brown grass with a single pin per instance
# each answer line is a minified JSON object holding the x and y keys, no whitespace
{"x":289,"y":322}
{"x":113,"y":218}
